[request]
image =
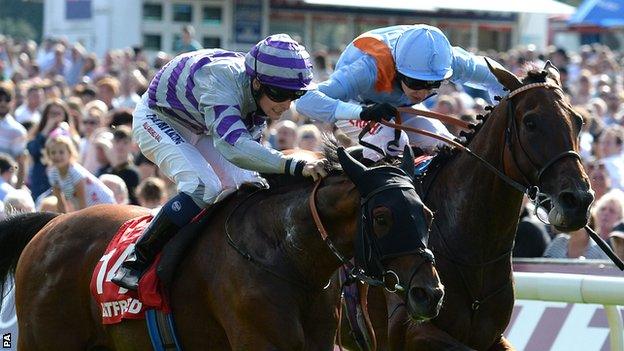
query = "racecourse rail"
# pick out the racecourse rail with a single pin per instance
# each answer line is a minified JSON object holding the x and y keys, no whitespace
{"x":577,"y":288}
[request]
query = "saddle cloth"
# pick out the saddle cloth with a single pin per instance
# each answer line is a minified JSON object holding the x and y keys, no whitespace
{"x":115,"y":302}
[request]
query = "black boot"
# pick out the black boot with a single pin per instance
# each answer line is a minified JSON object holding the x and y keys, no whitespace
{"x":157,"y":234}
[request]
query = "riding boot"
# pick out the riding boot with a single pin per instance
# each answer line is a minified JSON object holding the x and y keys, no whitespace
{"x":157,"y":234}
{"x":175,"y":214}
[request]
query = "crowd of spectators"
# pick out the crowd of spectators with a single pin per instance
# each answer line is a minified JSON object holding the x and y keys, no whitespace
{"x":66,"y":116}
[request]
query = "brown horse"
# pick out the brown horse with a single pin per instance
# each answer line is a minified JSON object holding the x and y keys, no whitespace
{"x":532,"y":137}
{"x":220,"y":299}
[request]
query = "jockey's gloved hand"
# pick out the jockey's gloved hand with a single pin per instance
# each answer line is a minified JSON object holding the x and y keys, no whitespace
{"x":315,"y":169}
{"x":377,"y":112}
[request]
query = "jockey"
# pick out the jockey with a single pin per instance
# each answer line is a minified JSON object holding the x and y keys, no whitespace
{"x":395,"y":66}
{"x":201,"y":120}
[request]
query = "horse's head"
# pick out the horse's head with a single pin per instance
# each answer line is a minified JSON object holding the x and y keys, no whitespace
{"x":394,"y":232}
{"x":542,"y":143}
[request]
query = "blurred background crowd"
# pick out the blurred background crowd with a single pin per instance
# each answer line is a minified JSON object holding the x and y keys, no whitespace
{"x":66,"y":116}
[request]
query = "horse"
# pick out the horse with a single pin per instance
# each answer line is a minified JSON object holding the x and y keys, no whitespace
{"x":271,"y":298}
{"x":531,"y":137}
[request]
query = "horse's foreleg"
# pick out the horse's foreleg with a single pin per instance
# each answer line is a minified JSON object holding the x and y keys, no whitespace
{"x":428,"y":337}
{"x":502,"y":345}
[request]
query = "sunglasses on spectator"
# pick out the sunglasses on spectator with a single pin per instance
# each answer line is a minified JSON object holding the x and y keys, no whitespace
{"x":417,"y":84}
{"x":278,"y":94}
{"x":92,"y":122}
{"x":4,"y":98}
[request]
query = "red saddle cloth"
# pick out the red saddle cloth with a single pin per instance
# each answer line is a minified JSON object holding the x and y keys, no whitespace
{"x":117,"y":303}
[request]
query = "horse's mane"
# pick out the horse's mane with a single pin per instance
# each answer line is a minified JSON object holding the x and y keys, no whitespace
{"x":446,"y":153}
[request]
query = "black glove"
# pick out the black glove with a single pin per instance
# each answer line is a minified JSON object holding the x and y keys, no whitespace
{"x":377,"y":112}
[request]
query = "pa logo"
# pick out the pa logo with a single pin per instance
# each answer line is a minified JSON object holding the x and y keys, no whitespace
{"x":6,"y":341}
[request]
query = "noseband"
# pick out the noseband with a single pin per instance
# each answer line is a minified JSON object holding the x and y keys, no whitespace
{"x":357,"y":273}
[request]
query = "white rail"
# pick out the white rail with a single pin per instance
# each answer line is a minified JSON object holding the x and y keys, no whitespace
{"x":577,"y":288}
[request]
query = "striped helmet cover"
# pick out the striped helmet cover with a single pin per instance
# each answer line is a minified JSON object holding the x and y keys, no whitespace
{"x":280,"y":61}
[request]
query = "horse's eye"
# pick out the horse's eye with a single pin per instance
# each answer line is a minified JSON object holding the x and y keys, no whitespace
{"x":382,"y":221}
{"x":529,"y":123}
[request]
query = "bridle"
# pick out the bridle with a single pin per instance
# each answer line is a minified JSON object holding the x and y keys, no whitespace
{"x":511,"y":134}
{"x":354,"y":272}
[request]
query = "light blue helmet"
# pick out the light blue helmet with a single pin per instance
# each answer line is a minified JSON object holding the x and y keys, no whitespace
{"x":423,"y":52}
{"x":280,"y":61}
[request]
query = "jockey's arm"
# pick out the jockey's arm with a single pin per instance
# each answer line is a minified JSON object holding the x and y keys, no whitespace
{"x":473,"y":71}
{"x":247,"y":153}
{"x":328,"y":103}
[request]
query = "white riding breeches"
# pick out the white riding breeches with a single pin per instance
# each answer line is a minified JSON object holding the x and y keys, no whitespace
{"x":190,"y":160}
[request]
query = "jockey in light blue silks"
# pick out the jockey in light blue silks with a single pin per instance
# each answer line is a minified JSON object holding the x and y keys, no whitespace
{"x":390,"y":67}
{"x":201,"y":121}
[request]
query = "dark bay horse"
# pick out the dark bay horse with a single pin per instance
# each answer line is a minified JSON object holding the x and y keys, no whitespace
{"x":222,"y":301}
{"x":532,"y":137}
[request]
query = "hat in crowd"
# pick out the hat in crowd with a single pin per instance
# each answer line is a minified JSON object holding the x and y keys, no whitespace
{"x":104,"y":139}
{"x":618,"y":231}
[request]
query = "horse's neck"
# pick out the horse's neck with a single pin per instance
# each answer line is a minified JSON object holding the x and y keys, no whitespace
{"x":475,"y":210}
{"x":301,"y":245}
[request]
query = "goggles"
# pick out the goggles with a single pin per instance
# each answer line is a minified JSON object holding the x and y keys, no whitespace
{"x":417,"y":84}
{"x":280,"y":94}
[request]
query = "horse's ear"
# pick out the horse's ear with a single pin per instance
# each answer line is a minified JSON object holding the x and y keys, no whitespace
{"x":506,"y":78}
{"x":553,"y":72}
{"x":407,"y":165}
{"x":351,"y":166}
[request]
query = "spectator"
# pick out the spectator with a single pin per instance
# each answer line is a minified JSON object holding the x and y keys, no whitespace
{"x":576,"y":244}
{"x":29,"y":113}
{"x":54,"y":113}
{"x":309,"y":137}
{"x":8,"y":168}
{"x":610,"y":143}
{"x":18,"y":201}
{"x":92,"y":127}
{"x":598,"y":178}
{"x":117,"y":186}
{"x":12,"y":134}
{"x":121,"y":117}
{"x":608,"y":211}
{"x":152,"y":193}
{"x":121,"y":163}
{"x":532,"y":239}
{"x":188,"y":43}
{"x":103,"y":143}
{"x":75,"y":106}
{"x":73,"y":186}
{"x":285,"y":135}
{"x":322,"y":69}
{"x":616,"y":238}
{"x":128,"y":98}
{"x":108,"y":89}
